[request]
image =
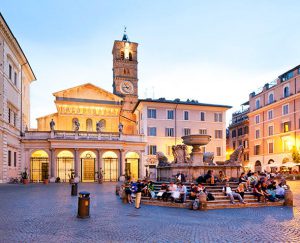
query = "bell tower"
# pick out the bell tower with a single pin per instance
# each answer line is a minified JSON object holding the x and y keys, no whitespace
{"x":125,"y":71}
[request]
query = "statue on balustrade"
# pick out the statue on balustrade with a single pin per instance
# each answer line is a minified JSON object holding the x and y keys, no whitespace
{"x":120,"y":127}
{"x":162,"y":159}
{"x":77,"y":125}
{"x":52,"y":125}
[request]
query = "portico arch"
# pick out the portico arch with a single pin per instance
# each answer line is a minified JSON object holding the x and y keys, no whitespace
{"x":111,"y":168}
{"x":88,"y":166}
{"x":65,"y":165}
{"x":39,"y":165}
{"x":132,"y":164}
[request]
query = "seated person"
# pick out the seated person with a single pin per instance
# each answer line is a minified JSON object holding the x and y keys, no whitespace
{"x":201,"y":189}
{"x":171,"y":188}
{"x":209,"y":177}
{"x":268,"y":194}
{"x":128,"y":193}
{"x":228,"y":192}
{"x":253,"y":179}
{"x":194,"y":190}
{"x":151,"y":189}
{"x":182,"y":192}
{"x":279,"y":192}
{"x":272,"y":185}
{"x":163,"y":189}
{"x":222,"y":177}
{"x":241,"y":190}
{"x":258,"y":192}
{"x":244,"y":180}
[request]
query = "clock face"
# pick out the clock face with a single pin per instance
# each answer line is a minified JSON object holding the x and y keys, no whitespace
{"x":127,"y":87}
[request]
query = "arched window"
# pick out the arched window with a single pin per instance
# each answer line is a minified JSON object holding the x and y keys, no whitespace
{"x":271,"y":98}
{"x":122,"y":55}
{"x":73,"y":123}
{"x":89,"y":125}
{"x":257,"y":104}
{"x":130,"y":56}
{"x":286,"y":92}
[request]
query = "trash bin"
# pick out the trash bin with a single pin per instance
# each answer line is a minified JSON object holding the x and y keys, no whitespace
{"x":74,"y":189}
{"x":84,"y":205}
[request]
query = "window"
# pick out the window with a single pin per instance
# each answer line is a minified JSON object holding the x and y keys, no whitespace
{"x":257,"y":119}
{"x":152,"y":131}
{"x":9,"y":71}
{"x":246,"y":130}
{"x":170,"y":114}
{"x":256,"y":149}
{"x":9,"y":112}
{"x":89,"y":125}
{"x":152,"y":113}
{"x":285,"y":109}
{"x":270,"y":114}
{"x":257,"y":104}
{"x":9,"y":158}
{"x":14,"y":119}
{"x":271,"y":98}
{"x":169,"y":132}
{"x":152,"y":149}
{"x":286,"y":91}
{"x":186,"y":131}
{"x":186,"y":115}
{"x":218,"y":134}
{"x":270,"y":130}
{"x":257,"y":133}
{"x":240,"y":131}
{"x":15,"y":78}
{"x":218,"y":151}
{"x":122,"y":55}
{"x":130,"y":56}
{"x":245,"y":143}
{"x":202,"y":116}
{"x":240,"y":142}
{"x":233,"y":145}
{"x":203,"y":131}
{"x":286,"y":126}
{"x":233,"y":133}
{"x":271,"y":148}
{"x":15,"y":159}
{"x":246,"y":156}
{"x":218,"y":117}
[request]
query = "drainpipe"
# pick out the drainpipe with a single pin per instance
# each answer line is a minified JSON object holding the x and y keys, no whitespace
{"x":21,"y":117}
{"x":176,"y":123}
{"x":295,"y":126}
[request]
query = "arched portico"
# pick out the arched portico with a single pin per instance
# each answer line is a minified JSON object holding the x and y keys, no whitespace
{"x":88,"y":166}
{"x":65,"y":165}
{"x":132,"y":165}
{"x":110,"y":166}
{"x":39,"y":165}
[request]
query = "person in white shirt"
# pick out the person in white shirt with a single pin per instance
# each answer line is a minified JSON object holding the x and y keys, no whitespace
{"x":279,"y":192}
{"x":183,"y":191}
{"x":171,"y":188}
{"x":227,"y":190}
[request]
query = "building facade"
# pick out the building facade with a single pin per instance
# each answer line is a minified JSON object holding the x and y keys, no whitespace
{"x":239,"y":133}
{"x":15,"y":78}
{"x":274,"y":121}
{"x":93,"y":129}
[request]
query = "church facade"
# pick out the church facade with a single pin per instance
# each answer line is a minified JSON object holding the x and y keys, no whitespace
{"x":94,"y":130}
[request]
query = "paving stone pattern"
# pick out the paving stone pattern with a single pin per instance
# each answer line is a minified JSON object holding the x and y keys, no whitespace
{"x":47,"y":213}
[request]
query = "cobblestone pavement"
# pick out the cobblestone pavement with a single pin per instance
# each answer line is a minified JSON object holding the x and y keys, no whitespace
{"x":47,"y":213}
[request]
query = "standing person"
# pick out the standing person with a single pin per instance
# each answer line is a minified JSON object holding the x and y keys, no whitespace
{"x":138,"y":194}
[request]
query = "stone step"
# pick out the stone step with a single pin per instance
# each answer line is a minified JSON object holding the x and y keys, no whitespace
{"x":227,"y":200}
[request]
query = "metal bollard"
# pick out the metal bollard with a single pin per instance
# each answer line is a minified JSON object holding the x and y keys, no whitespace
{"x":74,"y":189}
{"x":83,"y":205}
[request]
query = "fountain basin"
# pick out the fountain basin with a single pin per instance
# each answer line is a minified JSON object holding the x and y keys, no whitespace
{"x":196,"y":139}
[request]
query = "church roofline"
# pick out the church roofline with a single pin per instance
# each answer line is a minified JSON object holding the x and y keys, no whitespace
{"x":177,"y":101}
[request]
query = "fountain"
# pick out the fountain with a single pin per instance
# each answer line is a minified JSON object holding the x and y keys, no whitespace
{"x":194,"y":165}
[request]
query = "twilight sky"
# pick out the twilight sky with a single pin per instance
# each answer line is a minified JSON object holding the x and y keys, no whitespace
{"x":213,"y":51}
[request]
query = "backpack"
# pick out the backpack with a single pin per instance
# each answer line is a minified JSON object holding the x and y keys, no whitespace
{"x":196,"y":204}
{"x":210,"y":197}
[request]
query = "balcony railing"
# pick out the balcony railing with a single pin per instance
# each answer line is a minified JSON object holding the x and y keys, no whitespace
{"x":69,"y":135}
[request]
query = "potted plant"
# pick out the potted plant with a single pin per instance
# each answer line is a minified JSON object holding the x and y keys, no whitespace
{"x":71,"y":178}
{"x":25,"y":176}
{"x":99,"y":176}
{"x":46,"y":179}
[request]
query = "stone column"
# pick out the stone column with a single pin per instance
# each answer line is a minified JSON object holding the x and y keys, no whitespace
{"x":99,"y":163}
{"x":141,"y":166}
{"x":52,"y":163}
{"x":122,"y":162}
{"x":76,"y":162}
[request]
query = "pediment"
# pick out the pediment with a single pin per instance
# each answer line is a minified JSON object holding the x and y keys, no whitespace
{"x":87,"y":91}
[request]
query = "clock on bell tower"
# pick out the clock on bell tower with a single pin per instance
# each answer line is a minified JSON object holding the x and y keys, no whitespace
{"x":125,"y":77}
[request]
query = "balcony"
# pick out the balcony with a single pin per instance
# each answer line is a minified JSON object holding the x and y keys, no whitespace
{"x":83,"y":136}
